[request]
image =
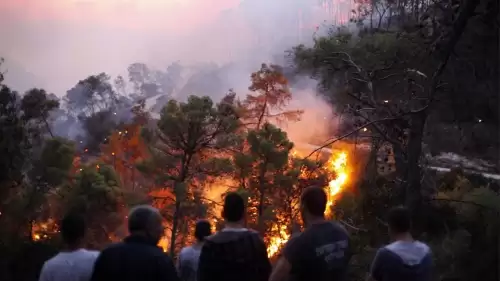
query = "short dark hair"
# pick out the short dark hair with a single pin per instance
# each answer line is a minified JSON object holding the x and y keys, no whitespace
{"x":314,"y":198}
{"x":202,"y":230}
{"x":234,"y":207}
{"x":72,"y":228}
{"x":140,"y":217}
{"x":399,"y":219}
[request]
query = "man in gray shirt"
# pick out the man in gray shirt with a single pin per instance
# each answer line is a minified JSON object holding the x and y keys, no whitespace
{"x":187,"y":262}
{"x":405,"y":258}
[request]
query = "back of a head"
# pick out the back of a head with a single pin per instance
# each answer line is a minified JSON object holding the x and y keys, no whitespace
{"x":399,"y":220}
{"x":202,"y":230}
{"x":314,"y":199}
{"x":234,"y":207}
{"x":141,"y":217}
{"x":72,"y":228}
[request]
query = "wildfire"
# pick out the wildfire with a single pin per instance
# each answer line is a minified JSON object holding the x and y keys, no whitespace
{"x":338,"y":165}
{"x":43,"y":230}
{"x":164,"y":243}
{"x":277,"y":242}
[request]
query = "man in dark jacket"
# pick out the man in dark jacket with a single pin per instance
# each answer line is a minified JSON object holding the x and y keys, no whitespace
{"x":137,"y":258}
{"x":235,"y":253}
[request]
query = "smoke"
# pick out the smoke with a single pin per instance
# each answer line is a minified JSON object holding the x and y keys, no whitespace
{"x":318,"y":119}
{"x":56,"y":43}
{"x":63,"y":41}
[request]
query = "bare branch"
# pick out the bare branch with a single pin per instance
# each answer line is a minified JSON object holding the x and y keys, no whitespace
{"x":349,"y":134}
{"x":352,"y":227}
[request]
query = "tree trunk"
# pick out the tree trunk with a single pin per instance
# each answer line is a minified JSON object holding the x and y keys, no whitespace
{"x":371,"y":165}
{"x":261,"y":198}
{"x":413,"y":194}
{"x":48,"y":127}
{"x":175,"y":225}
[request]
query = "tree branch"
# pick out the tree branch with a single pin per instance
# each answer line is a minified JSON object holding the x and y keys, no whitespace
{"x":465,"y":202}
{"x":349,"y":134}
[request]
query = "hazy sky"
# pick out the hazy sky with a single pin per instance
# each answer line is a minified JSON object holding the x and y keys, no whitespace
{"x":62,"y":41}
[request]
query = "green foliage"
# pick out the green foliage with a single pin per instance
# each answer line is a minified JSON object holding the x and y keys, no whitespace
{"x":56,"y":161}
{"x":196,"y":125}
{"x":268,"y":152}
{"x":271,"y":178}
{"x":470,"y":231}
{"x":191,"y":142}
{"x":14,"y":140}
{"x":36,"y":104}
{"x":96,"y":194}
{"x":91,"y":95}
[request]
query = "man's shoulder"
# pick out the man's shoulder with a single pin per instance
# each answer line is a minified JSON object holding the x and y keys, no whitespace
{"x":413,"y":253}
{"x":186,"y":251}
{"x":55,"y":261}
{"x":228,"y":235}
{"x":61,"y":259}
{"x":90,"y":254}
{"x":114,"y":251}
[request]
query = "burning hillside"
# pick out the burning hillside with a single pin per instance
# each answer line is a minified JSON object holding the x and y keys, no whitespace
{"x":184,"y":162}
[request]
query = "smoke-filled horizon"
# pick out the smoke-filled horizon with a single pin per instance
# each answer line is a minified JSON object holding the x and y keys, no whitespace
{"x":55,"y":43}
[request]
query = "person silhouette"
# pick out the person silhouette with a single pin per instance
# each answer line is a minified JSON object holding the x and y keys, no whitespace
{"x":73,"y":263}
{"x":319,"y":253}
{"x":187,"y":262}
{"x":138,"y":257}
{"x":235,"y":252}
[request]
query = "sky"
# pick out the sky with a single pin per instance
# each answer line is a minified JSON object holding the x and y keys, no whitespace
{"x":61,"y":41}
{"x":55,"y":43}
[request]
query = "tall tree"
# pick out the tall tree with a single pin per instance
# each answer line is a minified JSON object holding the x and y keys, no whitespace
{"x":37,"y":106}
{"x":14,"y":140}
{"x":186,"y":144}
{"x":92,"y":95}
{"x":271,"y":95}
{"x":256,"y":169}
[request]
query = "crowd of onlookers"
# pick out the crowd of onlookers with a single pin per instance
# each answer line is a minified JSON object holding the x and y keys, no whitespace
{"x":321,"y":252}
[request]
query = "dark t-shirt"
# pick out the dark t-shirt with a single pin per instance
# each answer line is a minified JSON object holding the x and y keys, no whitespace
{"x":320,"y":253}
{"x":409,"y":261}
{"x":234,"y":255}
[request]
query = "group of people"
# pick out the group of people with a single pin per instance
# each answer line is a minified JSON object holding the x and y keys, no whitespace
{"x":321,"y":252}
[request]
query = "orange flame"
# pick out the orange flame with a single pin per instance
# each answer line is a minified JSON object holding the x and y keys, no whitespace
{"x":277,"y":242}
{"x":338,"y":165}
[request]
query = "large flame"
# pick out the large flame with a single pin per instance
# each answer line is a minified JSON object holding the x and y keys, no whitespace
{"x":338,"y":165}
{"x":276,"y":242}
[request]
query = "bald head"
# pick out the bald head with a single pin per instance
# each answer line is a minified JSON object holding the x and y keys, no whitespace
{"x":147,"y":220}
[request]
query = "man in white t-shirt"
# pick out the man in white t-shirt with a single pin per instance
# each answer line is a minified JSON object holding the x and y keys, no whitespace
{"x":187,"y":262}
{"x":74,"y":263}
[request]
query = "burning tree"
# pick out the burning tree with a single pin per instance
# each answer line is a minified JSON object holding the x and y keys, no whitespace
{"x":270,"y":96}
{"x":125,"y":148}
{"x":268,"y":153}
{"x":188,"y":145}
